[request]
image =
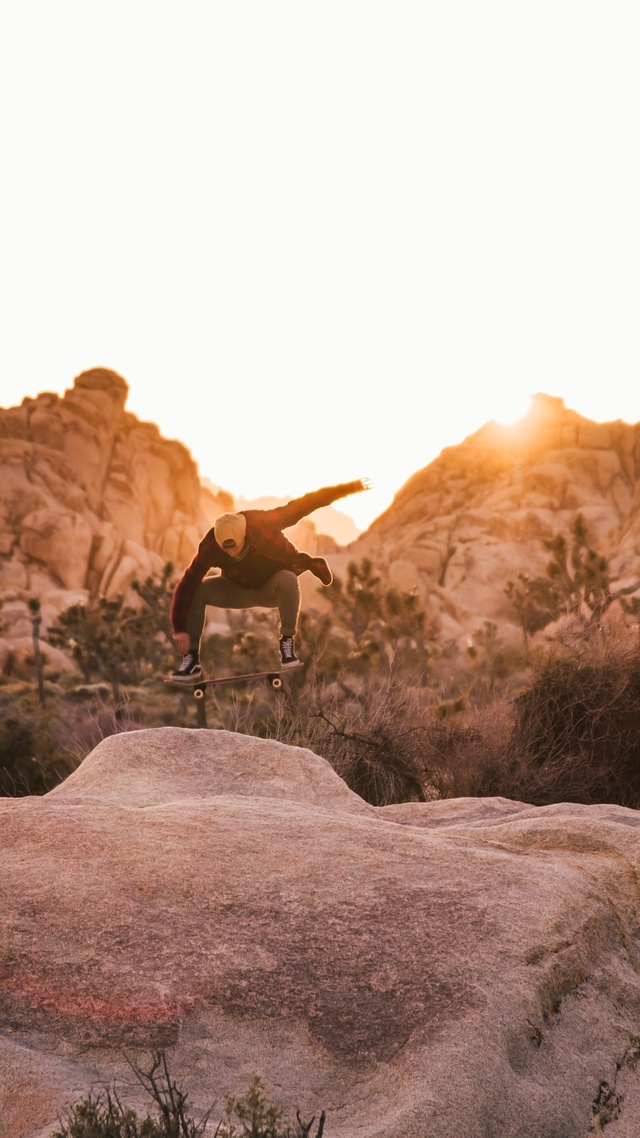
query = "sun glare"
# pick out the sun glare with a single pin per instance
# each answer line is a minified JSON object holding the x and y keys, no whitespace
{"x":513,"y":408}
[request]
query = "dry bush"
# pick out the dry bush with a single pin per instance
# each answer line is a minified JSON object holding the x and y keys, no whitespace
{"x":105,"y":1116}
{"x":373,"y":738}
{"x":572,"y":735}
{"x":577,"y":726}
{"x":390,"y":744}
{"x":465,"y":756}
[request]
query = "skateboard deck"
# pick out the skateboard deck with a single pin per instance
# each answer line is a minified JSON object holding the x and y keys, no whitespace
{"x":200,"y":684}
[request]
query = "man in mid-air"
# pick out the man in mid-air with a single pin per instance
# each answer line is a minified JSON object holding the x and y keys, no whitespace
{"x":259,"y":568}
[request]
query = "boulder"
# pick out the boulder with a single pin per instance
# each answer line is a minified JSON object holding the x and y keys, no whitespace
{"x":426,"y":970}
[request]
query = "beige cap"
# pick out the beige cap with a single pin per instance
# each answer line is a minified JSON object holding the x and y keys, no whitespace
{"x":230,"y":530}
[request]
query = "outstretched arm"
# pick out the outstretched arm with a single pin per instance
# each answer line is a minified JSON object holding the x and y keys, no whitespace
{"x":292,"y":512}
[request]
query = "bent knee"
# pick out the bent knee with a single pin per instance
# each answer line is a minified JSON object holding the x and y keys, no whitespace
{"x":285,"y":578}
{"x":285,"y":584}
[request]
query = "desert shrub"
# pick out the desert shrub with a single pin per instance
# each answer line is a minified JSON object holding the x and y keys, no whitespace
{"x":464,"y":756}
{"x":576,"y":581}
{"x":112,"y":640}
{"x":572,"y":735}
{"x":373,"y":738}
{"x":382,"y":767}
{"x":31,"y":758}
{"x":105,"y":1116}
{"x":577,"y":726}
{"x":260,"y":1119}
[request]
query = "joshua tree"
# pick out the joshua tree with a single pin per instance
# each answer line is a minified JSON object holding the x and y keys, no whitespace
{"x":113,"y":640}
{"x":576,"y":580}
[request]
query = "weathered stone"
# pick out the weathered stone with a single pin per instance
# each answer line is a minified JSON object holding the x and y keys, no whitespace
{"x":6,"y":651}
{"x":595,"y":436}
{"x":431,"y":970}
{"x":90,"y":496}
{"x":481,"y":513}
{"x":61,"y":541}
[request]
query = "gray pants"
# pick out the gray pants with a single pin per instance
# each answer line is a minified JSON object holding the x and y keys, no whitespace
{"x":281,"y":592}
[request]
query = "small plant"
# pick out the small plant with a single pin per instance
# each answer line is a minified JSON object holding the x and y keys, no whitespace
{"x":373,"y":739}
{"x":31,"y":759}
{"x":113,"y":640}
{"x":105,"y":1116}
{"x":260,"y":1119}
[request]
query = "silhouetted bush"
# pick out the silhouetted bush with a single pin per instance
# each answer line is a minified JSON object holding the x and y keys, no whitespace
{"x":31,"y":760}
{"x":577,"y":726}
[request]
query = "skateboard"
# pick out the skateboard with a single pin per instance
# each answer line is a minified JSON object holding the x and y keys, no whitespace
{"x":200,"y":685}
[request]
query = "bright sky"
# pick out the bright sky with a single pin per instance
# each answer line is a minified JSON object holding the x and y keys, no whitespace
{"x":322,"y":240}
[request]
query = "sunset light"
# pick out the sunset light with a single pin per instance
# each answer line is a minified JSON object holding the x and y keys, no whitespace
{"x":323,"y":242}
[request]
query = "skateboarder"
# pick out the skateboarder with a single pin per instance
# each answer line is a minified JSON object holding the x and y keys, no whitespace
{"x":259,"y":569}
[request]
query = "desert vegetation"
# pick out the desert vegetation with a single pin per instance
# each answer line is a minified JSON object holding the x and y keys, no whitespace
{"x":249,"y":1115}
{"x":400,"y":714}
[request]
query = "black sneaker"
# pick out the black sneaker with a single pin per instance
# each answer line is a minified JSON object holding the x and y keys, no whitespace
{"x":288,"y":658}
{"x":190,"y":668}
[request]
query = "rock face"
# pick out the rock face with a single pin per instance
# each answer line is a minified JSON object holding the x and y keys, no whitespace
{"x":427,"y":970}
{"x":477,"y":515}
{"x":91,"y":497}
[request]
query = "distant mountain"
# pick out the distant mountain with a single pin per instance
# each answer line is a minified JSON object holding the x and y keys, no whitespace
{"x":477,"y":516}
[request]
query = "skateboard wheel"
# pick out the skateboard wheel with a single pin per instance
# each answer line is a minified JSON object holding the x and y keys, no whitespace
{"x":198,"y":693}
{"x":276,"y":682}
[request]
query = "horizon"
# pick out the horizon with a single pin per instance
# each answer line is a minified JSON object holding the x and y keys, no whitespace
{"x":343,"y":505}
{"x":323,"y":243}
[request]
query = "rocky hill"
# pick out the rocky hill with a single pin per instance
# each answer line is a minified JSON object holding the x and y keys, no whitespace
{"x":91,"y":497}
{"x":459,"y":967}
{"x":477,"y":516}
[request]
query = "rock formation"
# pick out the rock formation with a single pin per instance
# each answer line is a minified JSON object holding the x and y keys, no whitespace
{"x":426,"y":970}
{"x":477,"y":516}
{"x":90,"y":498}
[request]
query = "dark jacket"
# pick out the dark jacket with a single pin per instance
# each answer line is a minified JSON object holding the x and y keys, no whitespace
{"x":265,"y":537}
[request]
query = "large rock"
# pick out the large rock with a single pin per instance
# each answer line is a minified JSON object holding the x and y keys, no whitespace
{"x":91,"y":497}
{"x":427,"y":970}
{"x":479,"y":514}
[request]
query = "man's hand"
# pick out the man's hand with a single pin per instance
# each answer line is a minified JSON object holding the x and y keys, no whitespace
{"x":181,"y":641}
